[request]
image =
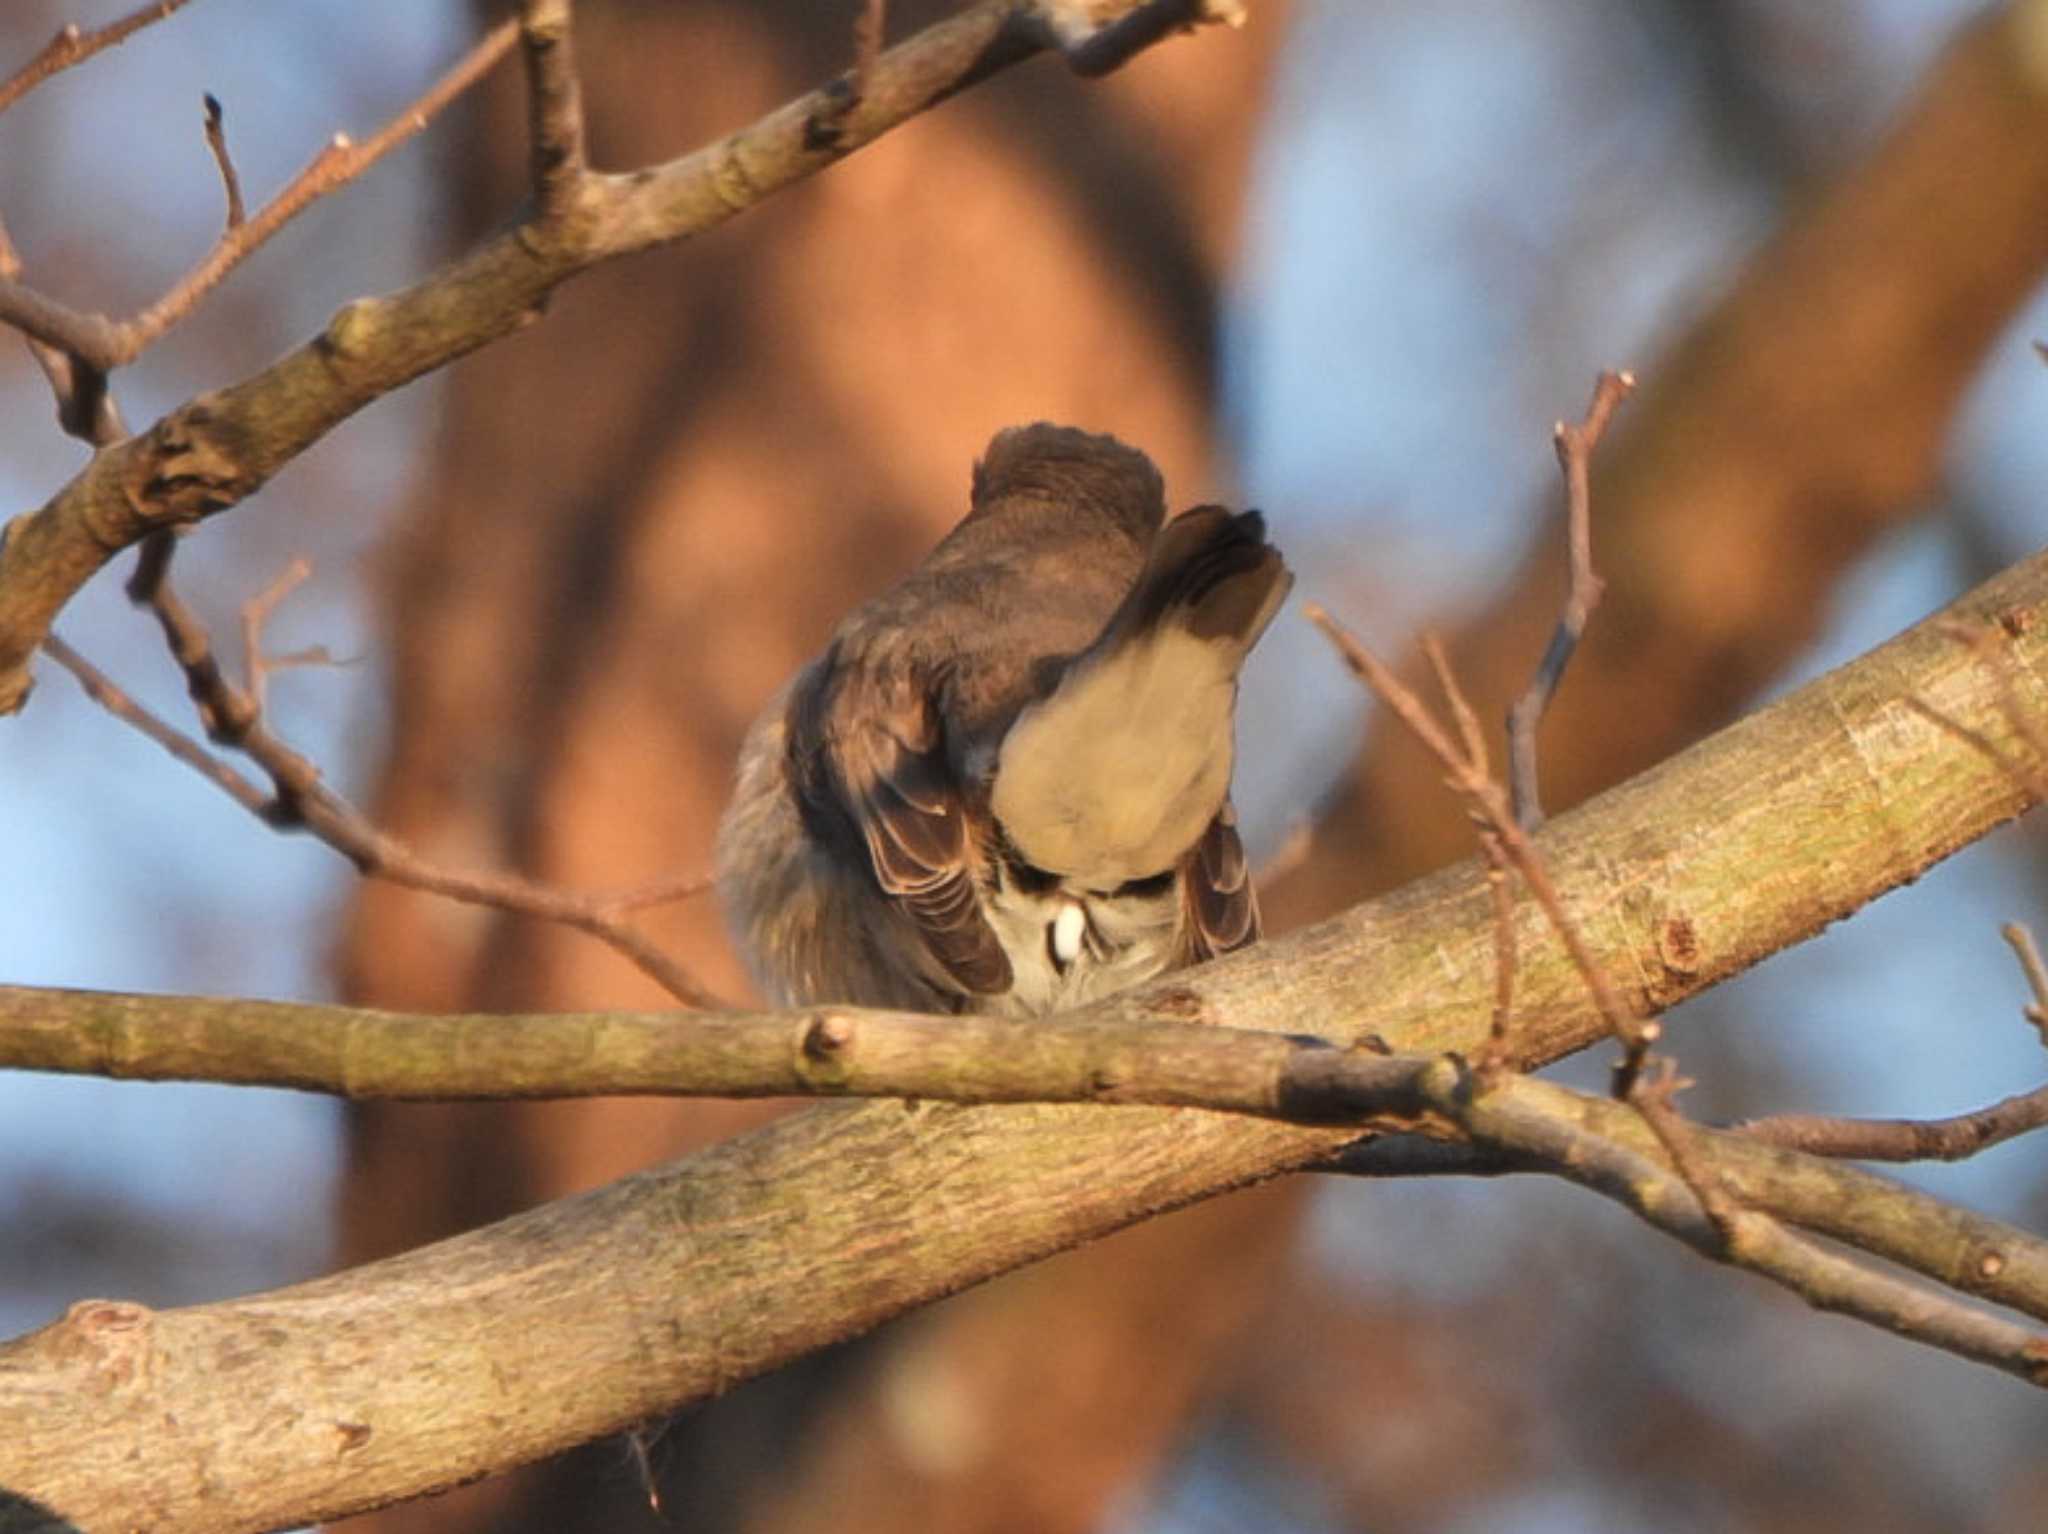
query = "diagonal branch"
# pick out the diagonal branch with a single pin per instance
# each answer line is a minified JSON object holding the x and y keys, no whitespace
{"x":300,"y":799}
{"x":85,"y":406}
{"x":105,"y":344}
{"x":72,"y":46}
{"x":218,"y":449}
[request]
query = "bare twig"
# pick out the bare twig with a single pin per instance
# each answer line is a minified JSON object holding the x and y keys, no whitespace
{"x":1950,"y":1139}
{"x":658,"y":892}
{"x":85,"y":406}
{"x":214,"y":451}
{"x":555,"y":104}
{"x":71,"y":46}
{"x":2021,"y":937}
{"x":105,"y":344}
{"x":256,"y":663}
{"x":217,"y":142}
{"x":637,"y":1440}
{"x":1652,"y":1096}
{"x":1590,"y":1143}
{"x":868,"y":28}
{"x":103,"y":690}
{"x":1118,"y":1053}
{"x":844,"y":96}
{"x":300,"y":799}
{"x":1575,"y":445}
{"x":1490,"y":803}
{"x":1091,"y":47}
{"x":1500,"y":890}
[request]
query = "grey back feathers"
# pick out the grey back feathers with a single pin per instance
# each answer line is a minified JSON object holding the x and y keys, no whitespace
{"x":1004,"y":785}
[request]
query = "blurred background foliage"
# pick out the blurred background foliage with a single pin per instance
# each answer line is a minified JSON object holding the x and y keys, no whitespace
{"x":1349,"y":266}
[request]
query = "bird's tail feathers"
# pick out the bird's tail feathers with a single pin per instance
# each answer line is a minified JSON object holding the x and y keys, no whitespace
{"x":1121,"y":767}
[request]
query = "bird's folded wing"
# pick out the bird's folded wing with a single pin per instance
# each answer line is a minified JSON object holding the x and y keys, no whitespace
{"x":891,"y":766}
{"x":1216,"y":886}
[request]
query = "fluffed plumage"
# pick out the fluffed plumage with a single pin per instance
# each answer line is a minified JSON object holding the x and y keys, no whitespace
{"x":1005,"y":784}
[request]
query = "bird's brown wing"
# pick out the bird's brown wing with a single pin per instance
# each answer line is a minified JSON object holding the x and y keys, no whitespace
{"x":1216,"y":890}
{"x":888,"y":757}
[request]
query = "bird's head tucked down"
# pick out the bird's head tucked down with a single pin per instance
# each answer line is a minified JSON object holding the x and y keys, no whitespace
{"x":1005,"y":784}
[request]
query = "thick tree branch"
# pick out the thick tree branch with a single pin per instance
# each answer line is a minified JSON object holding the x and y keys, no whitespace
{"x":1617,"y":1150}
{"x":679,"y":1281}
{"x":219,"y":448}
{"x":361,"y":1054}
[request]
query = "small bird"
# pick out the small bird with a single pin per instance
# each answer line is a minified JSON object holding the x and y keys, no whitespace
{"x":1005,"y":785}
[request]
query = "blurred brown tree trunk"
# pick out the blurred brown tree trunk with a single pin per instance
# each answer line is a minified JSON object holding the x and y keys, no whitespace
{"x":642,"y":516}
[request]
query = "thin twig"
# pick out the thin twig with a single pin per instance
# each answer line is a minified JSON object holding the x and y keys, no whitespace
{"x":301,"y":800}
{"x":1575,"y":445}
{"x":1116,"y":1053}
{"x":212,"y":452}
{"x":845,"y":95}
{"x":256,"y":665}
{"x":85,"y":405}
{"x":1951,"y":1139}
{"x":555,"y":106}
{"x":2021,"y":937}
{"x":868,"y":27}
{"x":106,"y":344}
{"x":1499,"y":884}
{"x":656,"y":892}
{"x":1636,"y":1034}
{"x":217,"y":142}
{"x":71,"y":46}
{"x":1091,"y":47}
{"x":1580,"y":1139}
{"x":637,"y":1440}
{"x":1651,"y":1095}
{"x":108,"y":695}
